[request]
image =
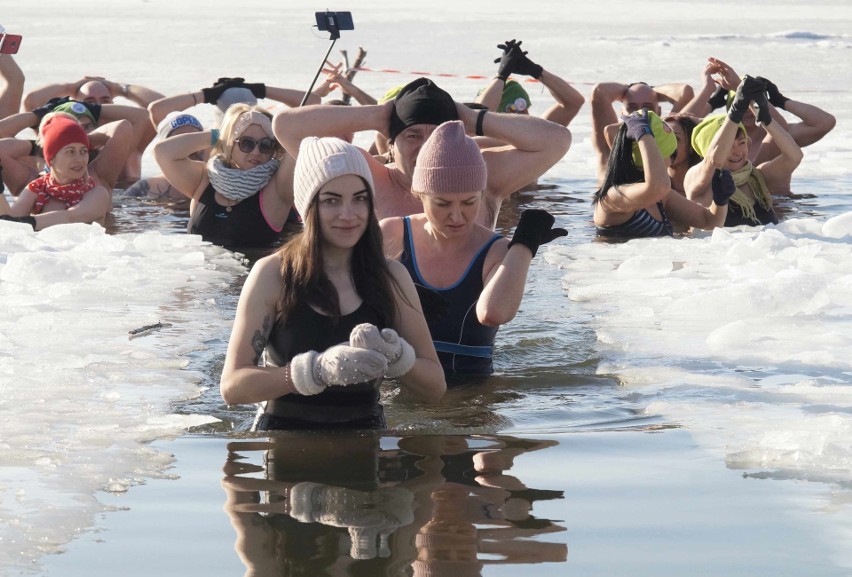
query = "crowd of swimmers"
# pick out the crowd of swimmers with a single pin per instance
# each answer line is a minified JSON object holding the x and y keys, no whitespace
{"x":390,"y":267}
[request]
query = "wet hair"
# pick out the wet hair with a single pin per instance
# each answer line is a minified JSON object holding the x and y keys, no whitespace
{"x":304,"y":279}
{"x":687,"y":122}
{"x":619,"y":166}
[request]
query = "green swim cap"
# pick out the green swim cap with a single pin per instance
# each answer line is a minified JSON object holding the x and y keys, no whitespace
{"x":702,"y":135}
{"x":76,"y":109}
{"x":515,"y":98}
{"x":391,"y":94}
{"x":664,"y":136}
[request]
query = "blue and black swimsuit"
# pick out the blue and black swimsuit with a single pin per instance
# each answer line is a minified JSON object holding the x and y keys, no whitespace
{"x":640,"y":225}
{"x":464,"y":345}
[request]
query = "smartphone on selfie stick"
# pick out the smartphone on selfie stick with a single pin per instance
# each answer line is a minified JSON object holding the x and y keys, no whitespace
{"x":9,"y":43}
{"x":333,"y":23}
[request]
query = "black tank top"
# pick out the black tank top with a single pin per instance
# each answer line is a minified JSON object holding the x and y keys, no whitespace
{"x":736,"y":217}
{"x":355,"y":406}
{"x":464,"y":345}
{"x":240,"y":225}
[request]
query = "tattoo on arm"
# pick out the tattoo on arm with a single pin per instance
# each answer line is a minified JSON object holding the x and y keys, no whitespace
{"x":143,"y":189}
{"x":260,"y":338}
{"x":140,"y":188}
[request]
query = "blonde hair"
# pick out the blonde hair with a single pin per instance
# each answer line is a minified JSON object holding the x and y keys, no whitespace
{"x":48,"y":116}
{"x":227,"y":135}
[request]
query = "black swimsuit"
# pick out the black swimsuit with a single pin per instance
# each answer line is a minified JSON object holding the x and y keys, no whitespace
{"x":240,"y":225}
{"x":464,"y":345}
{"x":353,"y":406}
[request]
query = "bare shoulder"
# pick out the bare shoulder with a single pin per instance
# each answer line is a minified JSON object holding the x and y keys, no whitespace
{"x":398,"y":271}
{"x":402,"y":279}
{"x":496,"y":253}
{"x":391,"y":226}
{"x":266,"y":273}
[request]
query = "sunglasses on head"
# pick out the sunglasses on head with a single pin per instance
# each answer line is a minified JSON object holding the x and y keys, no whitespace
{"x":247,"y":144}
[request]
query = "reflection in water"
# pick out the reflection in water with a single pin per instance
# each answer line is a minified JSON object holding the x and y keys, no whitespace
{"x":356,"y":503}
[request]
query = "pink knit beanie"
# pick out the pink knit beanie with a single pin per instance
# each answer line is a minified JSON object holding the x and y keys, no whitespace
{"x":449,"y":161}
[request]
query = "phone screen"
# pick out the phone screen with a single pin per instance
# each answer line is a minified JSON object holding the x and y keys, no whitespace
{"x":342,"y":20}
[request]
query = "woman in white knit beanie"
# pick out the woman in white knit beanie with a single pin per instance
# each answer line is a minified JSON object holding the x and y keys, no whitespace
{"x":328,"y":314}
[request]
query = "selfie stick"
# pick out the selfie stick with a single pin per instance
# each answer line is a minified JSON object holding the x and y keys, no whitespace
{"x":335,"y":34}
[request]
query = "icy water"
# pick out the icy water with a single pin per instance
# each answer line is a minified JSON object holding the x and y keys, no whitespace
{"x":739,"y":339}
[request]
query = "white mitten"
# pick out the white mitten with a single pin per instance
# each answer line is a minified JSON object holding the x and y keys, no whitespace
{"x":312,"y":372}
{"x":397,"y":351}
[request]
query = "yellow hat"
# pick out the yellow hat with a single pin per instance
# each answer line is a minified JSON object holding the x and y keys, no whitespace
{"x":702,"y":135}
{"x":664,"y":136}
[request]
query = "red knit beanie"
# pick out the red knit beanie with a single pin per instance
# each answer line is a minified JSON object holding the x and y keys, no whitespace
{"x":59,"y":131}
{"x":449,"y":161}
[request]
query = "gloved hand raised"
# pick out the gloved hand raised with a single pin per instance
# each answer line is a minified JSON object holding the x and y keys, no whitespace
{"x":509,"y":59}
{"x":312,"y":372}
{"x":535,"y":228}
{"x":257,"y":88}
{"x":719,"y":98}
{"x":523,"y":65}
{"x":399,"y":354}
{"x":212,"y":94}
{"x":761,"y":106}
{"x":749,"y":89}
{"x":638,"y":124}
{"x":776,"y":99}
{"x":723,"y":186}
{"x":49,"y":106}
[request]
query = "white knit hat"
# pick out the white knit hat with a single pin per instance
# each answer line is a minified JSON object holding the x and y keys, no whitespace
{"x":321,"y":160}
{"x":175,"y":120}
{"x":229,"y":97}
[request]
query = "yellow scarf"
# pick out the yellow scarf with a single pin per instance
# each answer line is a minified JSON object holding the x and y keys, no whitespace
{"x":746,"y":179}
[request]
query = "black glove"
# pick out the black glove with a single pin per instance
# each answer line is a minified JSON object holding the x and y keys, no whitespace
{"x":49,"y":106}
{"x":434,"y":306}
{"x":535,"y":229}
{"x":30,"y":220}
{"x":524,"y":65}
{"x":747,"y":91}
{"x":509,"y":59}
{"x":95,"y":109}
{"x":638,"y":124}
{"x":36,"y":149}
{"x":764,"y":117}
{"x":776,"y":99}
{"x":212,"y":94}
{"x":719,"y":98}
{"x":723,"y":186}
{"x":258,"y":89}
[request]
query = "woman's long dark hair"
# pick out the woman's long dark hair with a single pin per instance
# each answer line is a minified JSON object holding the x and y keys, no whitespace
{"x":619,"y":166}
{"x":304,"y":279}
{"x":688,"y":123}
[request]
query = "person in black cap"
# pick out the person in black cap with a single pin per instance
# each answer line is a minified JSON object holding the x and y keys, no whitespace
{"x":532,"y":146}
